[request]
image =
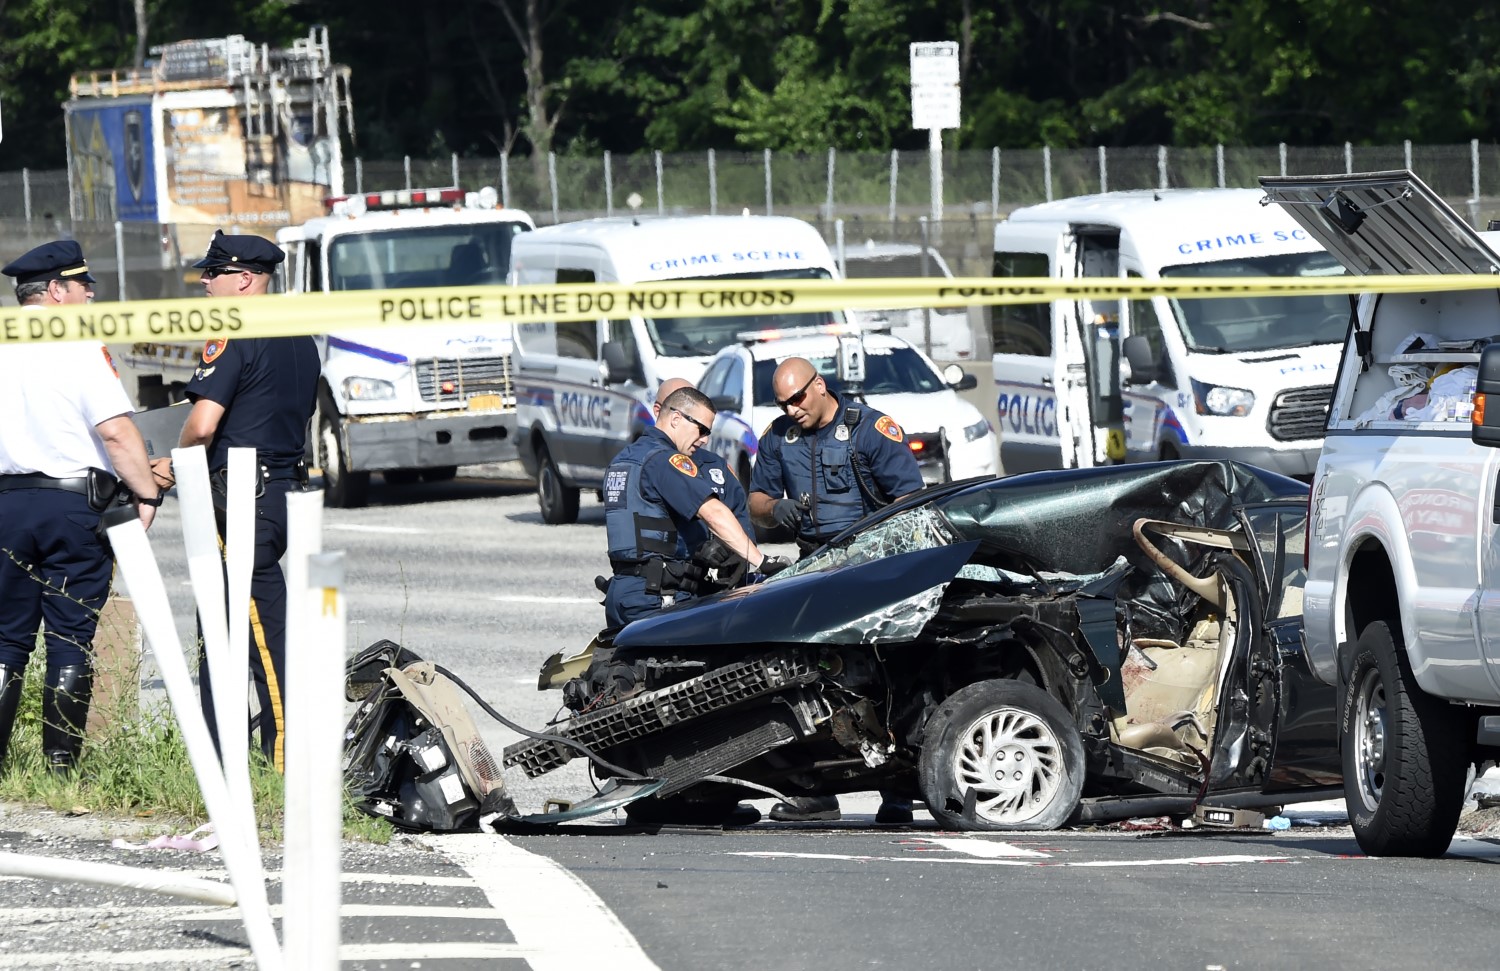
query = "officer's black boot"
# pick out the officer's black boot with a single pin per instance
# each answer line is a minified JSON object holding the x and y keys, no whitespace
{"x":10,"y":700}
{"x":65,"y":709}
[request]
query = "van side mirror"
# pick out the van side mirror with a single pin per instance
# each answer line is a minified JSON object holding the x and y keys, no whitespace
{"x":1485,"y":429}
{"x":1144,"y":367}
{"x":958,"y":379}
{"x":725,"y":402}
{"x":618,"y":367}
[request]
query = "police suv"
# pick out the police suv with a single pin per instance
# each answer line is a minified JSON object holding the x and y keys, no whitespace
{"x":948,"y":436}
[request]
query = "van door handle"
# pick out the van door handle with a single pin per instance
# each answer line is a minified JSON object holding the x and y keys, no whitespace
{"x":1046,"y":380}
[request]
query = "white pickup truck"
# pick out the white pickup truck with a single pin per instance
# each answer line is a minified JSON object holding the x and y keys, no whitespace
{"x":1402,"y":608}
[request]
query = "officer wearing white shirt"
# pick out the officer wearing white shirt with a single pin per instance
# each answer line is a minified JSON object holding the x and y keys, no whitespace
{"x":67,"y":441}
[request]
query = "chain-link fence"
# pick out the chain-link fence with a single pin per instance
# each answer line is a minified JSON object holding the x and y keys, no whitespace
{"x":137,"y":259}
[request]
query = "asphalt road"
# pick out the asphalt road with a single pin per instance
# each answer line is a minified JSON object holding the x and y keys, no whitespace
{"x":465,"y":574}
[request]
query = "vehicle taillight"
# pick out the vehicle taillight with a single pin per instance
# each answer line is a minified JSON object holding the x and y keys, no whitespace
{"x":917,"y":445}
{"x":1476,"y":416}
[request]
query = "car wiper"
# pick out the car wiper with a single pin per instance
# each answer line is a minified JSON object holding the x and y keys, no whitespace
{"x":688,"y":346}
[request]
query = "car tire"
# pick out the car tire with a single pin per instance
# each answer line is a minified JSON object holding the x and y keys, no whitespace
{"x":558,"y":502}
{"x":440,"y":473}
{"x":1404,"y":757}
{"x":1001,"y":722}
{"x":342,"y":489}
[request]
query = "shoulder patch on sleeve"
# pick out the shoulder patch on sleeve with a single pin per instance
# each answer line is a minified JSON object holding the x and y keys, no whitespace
{"x":109,"y":360}
{"x":684,"y":465}
{"x":886,"y":425}
{"x":213,"y":348}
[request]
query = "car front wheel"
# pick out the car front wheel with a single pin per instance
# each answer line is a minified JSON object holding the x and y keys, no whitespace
{"x":1001,"y":755}
{"x":342,"y":488}
{"x":558,"y":502}
{"x":1403,"y":753}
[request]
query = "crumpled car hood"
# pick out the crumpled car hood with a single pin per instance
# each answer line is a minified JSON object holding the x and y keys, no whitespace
{"x":805,"y":609}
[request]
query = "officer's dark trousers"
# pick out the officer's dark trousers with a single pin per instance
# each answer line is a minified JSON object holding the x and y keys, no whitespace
{"x":53,"y":569}
{"x":267,"y":623}
{"x":628,"y":600}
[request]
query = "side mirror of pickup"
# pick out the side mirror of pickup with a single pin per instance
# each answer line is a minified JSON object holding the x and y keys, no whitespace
{"x":1485,"y":429}
{"x":726,"y":402}
{"x":958,"y":379}
{"x":1144,"y":367}
{"x":618,"y":367}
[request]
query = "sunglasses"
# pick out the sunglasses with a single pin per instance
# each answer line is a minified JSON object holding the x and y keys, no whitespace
{"x":214,"y":272}
{"x":702,"y":428}
{"x":797,"y":397}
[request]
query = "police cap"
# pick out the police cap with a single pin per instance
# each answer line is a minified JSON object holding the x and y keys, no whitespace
{"x":242,"y":252}
{"x":60,"y":260}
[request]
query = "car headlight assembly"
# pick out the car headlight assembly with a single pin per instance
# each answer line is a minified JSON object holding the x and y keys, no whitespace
{"x":368,"y":389}
{"x":1213,"y":399}
{"x":976,"y":431}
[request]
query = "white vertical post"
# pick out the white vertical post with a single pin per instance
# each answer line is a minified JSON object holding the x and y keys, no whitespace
{"x":504,"y":179}
{"x":828,"y":208}
{"x":1161,"y":166}
{"x":119,"y":258}
{"x":935,"y":171}
{"x":609,"y":186}
{"x":661,"y":202}
{"x":1474,"y":165}
{"x":453,"y":161}
{"x":767,"y":157}
{"x":926,"y":311}
{"x":359,"y":175}
{"x":406,"y":169}
{"x":838,"y":249}
{"x":713,"y":185}
{"x":1103,"y":170}
{"x":239,"y":564}
{"x":1405,"y":154}
{"x":314,"y":789}
{"x":26,"y":193}
{"x":1282,"y":152}
{"x":552,"y":184}
{"x":895,"y":174}
{"x":149,"y":596}
{"x":1047,"y":169}
{"x":1219,"y":161}
{"x":995,"y":183}
{"x":1348,"y":158}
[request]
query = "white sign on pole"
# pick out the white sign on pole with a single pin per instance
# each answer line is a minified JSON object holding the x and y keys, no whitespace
{"x":934,"y":85}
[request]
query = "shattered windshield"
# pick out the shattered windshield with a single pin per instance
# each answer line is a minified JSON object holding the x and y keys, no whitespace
{"x":922,"y":528}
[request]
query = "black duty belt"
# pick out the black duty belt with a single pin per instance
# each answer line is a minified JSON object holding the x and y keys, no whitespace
{"x":36,"y":480}
{"x":659,"y":574}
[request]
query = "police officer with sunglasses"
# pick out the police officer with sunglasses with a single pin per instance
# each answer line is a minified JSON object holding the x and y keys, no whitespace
{"x":821,"y":467}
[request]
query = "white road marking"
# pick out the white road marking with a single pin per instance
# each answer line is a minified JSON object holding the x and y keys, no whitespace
{"x":551,"y":912}
{"x":203,"y":956}
{"x":973,"y":861}
{"x":401,"y":879}
{"x":26,"y":915}
{"x":988,"y":849}
{"x":521,"y":598}
{"x":364,"y":528}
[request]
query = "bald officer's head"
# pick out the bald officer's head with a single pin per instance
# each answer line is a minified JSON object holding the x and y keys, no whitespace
{"x":667,"y":389}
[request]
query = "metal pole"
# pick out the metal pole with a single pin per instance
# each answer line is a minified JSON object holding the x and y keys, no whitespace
{"x":609,"y":187}
{"x":995,"y":183}
{"x":1348,"y":158}
{"x":26,"y":194}
{"x":406,"y":169}
{"x":1161,"y":166}
{"x":927,"y":311}
{"x":1219,"y":159}
{"x":453,"y":161}
{"x":359,"y":175}
{"x":119,"y":258}
{"x":895,"y":176}
{"x":767,"y":157}
{"x":1474,"y":164}
{"x":828,"y":209}
{"x":935,"y":171}
{"x":661,"y":203}
{"x":552,"y":184}
{"x":1103,"y":170}
{"x":504,"y":179}
{"x":713,"y":185}
{"x":839,"y":250}
{"x":1282,"y":151}
{"x":1047,"y":169}
{"x":1407,"y":154}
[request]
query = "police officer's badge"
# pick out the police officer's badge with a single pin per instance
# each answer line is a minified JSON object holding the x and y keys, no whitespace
{"x":684,"y":465}
{"x":717,"y":475}
{"x":887,"y":426}
{"x":213,"y":348}
{"x":841,"y":433}
{"x":792,"y":434}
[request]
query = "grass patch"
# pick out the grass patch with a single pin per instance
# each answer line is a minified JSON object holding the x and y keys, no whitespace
{"x":135,"y":764}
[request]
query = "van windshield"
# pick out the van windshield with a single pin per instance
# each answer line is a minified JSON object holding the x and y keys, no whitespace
{"x":430,"y":256}
{"x":1231,"y":325}
{"x":702,"y":336}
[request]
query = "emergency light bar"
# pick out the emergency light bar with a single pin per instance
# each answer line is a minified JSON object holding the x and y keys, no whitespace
{"x":819,"y":330}
{"x":395,"y":199}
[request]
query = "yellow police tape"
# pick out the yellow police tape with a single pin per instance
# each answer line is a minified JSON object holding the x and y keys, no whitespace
{"x":285,"y":315}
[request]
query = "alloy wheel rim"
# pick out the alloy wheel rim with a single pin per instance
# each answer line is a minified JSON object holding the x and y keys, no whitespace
{"x":1013,"y":761}
{"x":1370,"y":739}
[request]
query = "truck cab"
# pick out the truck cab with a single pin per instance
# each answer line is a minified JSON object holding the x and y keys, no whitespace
{"x":1091,"y":382}
{"x":1402,"y":609}
{"x":410,"y":403}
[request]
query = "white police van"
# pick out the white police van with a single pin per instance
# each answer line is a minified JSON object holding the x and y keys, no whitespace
{"x":584,"y":389}
{"x":948,"y":436}
{"x":1082,"y":382}
{"x":408,"y":402}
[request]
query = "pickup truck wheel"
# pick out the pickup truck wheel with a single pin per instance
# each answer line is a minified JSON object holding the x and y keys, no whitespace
{"x":559,"y":502}
{"x":1001,"y":755}
{"x":342,"y":489}
{"x":1403,"y":753}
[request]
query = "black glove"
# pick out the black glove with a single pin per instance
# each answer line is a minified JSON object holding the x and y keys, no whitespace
{"x":787,"y":513}
{"x":772,"y":565}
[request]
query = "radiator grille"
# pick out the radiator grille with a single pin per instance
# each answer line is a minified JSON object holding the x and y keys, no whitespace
{"x":1300,"y":413}
{"x":456,"y":380}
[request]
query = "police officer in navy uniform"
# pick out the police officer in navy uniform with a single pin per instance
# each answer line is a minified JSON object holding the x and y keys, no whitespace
{"x":67,"y":435}
{"x":653,"y":492}
{"x":255,"y":392}
{"x":821,"y":467}
{"x":725,"y":486}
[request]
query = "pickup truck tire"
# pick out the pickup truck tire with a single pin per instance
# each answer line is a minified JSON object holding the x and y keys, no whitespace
{"x":1012,"y":744}
{"x":1404,"y":755}
{"x":558,"y":502}
{"x":342,"y":489}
